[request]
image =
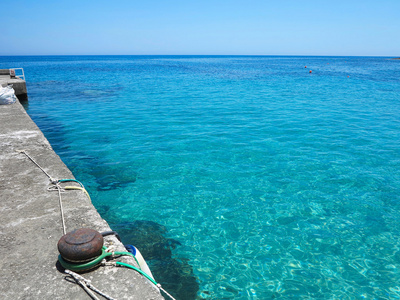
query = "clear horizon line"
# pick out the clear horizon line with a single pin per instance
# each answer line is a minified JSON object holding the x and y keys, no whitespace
{"x":285,"y":55}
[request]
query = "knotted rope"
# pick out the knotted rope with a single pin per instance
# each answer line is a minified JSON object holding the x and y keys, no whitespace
{"x":56,"y":186}
{"x":87,"y":285}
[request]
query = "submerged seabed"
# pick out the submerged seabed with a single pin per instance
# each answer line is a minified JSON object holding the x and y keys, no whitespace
{"x":256,"y":178}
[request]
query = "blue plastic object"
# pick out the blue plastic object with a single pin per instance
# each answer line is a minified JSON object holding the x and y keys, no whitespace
{"x":130,"y":249}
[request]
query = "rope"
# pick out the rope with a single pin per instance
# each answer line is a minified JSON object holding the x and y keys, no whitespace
{"x":87,"y":285}
{"x":57,"y":186}
{"x":118,"y":263}
{"x":61,"y":208}
{"x":78,"y":188}
{"x":159,"y":286}
{"x":95,"y":262}
{"x":68,"y":180}
{"x":102,"y":259}
{"x":52,"y":180}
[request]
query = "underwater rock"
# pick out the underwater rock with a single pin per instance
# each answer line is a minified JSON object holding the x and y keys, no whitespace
{"x":175,"y":274}
{"x":111,"y":182}
{"x":110,"y":178}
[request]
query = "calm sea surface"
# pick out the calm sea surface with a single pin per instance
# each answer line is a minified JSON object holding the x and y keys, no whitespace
{"x":240,"y":177}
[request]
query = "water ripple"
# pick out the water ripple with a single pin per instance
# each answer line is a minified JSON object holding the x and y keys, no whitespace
{"x":276,"y":183}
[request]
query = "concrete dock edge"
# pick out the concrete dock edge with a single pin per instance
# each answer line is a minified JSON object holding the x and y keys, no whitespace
{"x":30,"y":222}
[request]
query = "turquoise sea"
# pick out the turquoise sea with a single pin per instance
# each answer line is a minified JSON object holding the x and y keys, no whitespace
{"x":239,"y":177}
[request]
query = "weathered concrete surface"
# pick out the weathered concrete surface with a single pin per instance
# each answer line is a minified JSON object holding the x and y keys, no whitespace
{"x":30,"y":222}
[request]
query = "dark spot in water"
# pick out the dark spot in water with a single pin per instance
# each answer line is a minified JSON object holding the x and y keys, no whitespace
{"x":285,"y":220}
{"x":112,"y":177}
{"x":176,"y":276}
{"x":111,"y":182}
{"x":375,"y":224}
{"x":174,"y":273}
{"x":103,"y":209}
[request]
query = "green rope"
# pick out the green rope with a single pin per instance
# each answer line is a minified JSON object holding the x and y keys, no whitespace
{"x":128,"y":254}
{"x":85,"y":266}
{"x":147,"y":276}
{"x":137,"y":270}
{"x":93,"y":263}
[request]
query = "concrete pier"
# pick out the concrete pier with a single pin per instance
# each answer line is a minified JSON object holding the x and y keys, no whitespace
{"x":30,"y":222}
{"x":18,"y":84}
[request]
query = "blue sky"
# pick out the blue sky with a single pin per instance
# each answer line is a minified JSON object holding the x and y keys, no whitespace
{"x":236,"y":27}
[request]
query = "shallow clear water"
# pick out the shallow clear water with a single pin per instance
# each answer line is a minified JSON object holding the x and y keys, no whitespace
{"x":271,"y":182}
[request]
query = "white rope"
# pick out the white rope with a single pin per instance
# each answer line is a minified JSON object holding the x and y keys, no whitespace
{"x":56,"y":186}
{"x":87,"y":284}
{"x":160,"y":287}
{"x":52,"y":180}
{"x":61,"y":208}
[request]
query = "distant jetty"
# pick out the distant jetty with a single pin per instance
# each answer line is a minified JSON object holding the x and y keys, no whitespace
{"x":9,"y":77}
